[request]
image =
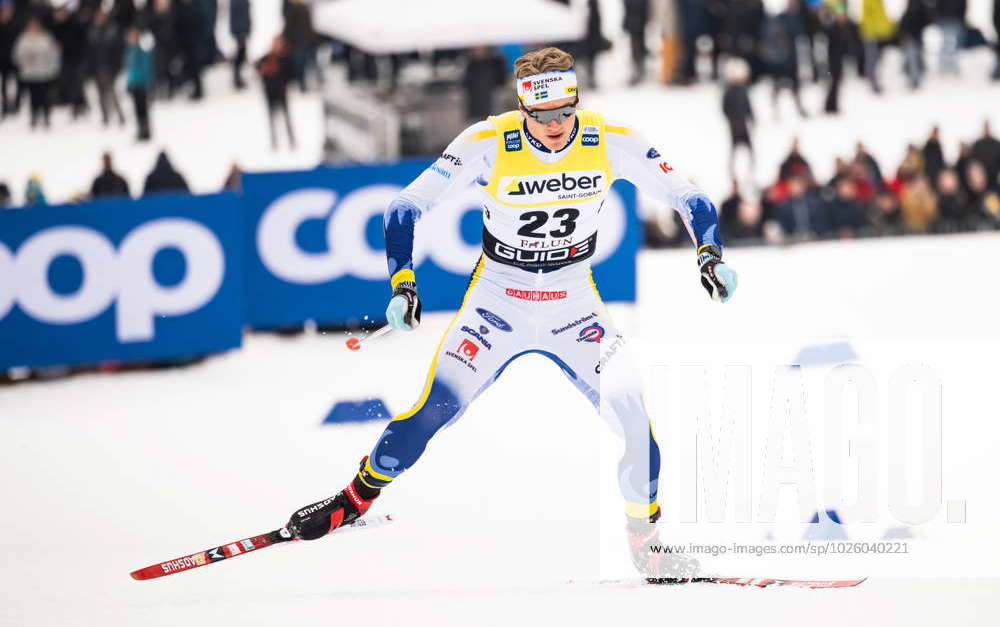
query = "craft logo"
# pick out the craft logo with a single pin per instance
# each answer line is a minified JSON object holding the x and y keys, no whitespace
{"x":571,"y":89}
{"x":525,"y":190}
{"x":652,"y":154}
{"x":478,"y":336}
{"x":494,"y":319}
{"x":456,"y":160}
{"x":536,"y":295}
{"x":512,"y":141}
{"x":573,"y":324}
{"x":593,"y":333}
{"x":618,"y":343}
{"x":468,"y":349}
{"x":667,"y":169}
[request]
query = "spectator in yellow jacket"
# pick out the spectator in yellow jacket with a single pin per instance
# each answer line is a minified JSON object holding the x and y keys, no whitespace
{"x":876,"y":29}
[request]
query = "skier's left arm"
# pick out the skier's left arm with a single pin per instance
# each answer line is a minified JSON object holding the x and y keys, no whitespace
{"x":635,"y":159}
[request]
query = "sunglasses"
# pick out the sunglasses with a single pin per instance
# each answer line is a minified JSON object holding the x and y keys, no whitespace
{"x":544,"y":116}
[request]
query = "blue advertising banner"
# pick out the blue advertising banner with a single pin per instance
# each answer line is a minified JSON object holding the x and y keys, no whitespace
{"x":316,"y":249}
{"x":120,"y":280}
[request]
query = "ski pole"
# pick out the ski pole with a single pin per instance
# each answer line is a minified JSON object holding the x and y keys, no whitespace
{"x":354,"y":343}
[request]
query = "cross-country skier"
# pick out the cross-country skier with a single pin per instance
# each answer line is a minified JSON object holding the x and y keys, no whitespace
{"x":544,"y":170}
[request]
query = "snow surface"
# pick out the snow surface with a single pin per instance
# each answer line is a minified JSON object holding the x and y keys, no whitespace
{"x":104,"y":474}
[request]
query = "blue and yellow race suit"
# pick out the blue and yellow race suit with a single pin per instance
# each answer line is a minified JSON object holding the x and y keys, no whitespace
{"x":532,"y":290}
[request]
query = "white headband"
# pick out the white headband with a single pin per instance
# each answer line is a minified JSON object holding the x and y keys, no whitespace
{"x":545,"y":87}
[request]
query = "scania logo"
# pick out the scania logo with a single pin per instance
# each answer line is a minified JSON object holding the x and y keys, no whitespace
{"x":478,"y":336}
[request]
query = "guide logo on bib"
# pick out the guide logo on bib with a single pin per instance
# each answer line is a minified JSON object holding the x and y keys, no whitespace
{"x":540,"y":188}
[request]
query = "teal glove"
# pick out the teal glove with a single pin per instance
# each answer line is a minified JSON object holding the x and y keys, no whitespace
{"x":719,"y":279}
{"x":403,"y":312}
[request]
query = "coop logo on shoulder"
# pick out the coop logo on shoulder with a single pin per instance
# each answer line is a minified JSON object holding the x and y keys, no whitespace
{"x":512,"y":141}
{"x":541,"y":188}
{"x":591,"y":136}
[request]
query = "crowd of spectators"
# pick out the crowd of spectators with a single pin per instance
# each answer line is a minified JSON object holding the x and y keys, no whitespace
{"x":819,"y":34}
{"x":163,"y":178}
{"x":51,"y":50}
{"x":925,"y":194}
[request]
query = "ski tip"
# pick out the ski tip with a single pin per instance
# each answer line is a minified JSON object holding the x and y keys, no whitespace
{"x":140,"y":575}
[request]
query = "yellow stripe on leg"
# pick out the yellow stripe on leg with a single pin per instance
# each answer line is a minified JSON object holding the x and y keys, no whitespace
{"x":593,"y":284}
{"x":430,"y":375}
{"x":374,"y":473}
{"x":641,"y":510}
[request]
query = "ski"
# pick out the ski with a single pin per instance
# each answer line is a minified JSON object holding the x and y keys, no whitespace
{"x":239,"y":547}
{"x":756,"y":582}
{"x":746,"y":582}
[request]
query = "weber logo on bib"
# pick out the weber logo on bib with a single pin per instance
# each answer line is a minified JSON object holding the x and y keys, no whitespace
{"x":539,"y":188}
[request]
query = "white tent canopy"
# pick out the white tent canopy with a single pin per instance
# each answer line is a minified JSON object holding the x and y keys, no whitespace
{"x":396,"y":26}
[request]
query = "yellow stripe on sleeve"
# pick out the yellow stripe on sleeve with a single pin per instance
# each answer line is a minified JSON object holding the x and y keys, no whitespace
{"x":481,"y":135}
{"x":620,"y":130}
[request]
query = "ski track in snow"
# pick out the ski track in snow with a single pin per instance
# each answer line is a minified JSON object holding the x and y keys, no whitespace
{"x":109,"y":473}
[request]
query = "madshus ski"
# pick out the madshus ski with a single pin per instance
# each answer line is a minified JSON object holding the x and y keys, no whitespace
{"x":240,"y":547}
{"x":755,"y":582}
{"x":759,"y":582}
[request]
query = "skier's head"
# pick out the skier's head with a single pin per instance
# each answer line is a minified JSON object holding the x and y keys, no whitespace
{"x":546,"y":93}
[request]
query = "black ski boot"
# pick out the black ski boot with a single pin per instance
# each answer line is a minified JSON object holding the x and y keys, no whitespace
{"x":318,"y":519}
{"x":656,"y":562}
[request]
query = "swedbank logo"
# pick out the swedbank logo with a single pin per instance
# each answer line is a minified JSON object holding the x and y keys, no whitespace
{"x":527,"y":190}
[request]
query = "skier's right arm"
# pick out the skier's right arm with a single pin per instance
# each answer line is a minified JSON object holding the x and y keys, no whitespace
{"x":462,"y":161}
